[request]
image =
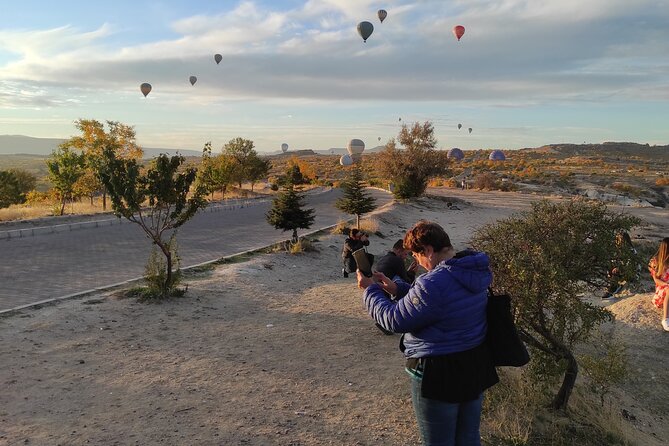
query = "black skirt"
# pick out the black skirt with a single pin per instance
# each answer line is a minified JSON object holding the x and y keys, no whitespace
{"x":458,"y":377}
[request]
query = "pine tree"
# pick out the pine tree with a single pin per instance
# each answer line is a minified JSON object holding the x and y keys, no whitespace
{"x":287,"y":212}
{"x":355,"y":200}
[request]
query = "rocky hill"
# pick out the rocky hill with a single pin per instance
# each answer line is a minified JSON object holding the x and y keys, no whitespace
{"x":607,"y":149}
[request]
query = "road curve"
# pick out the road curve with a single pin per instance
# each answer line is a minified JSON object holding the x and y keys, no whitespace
{"x":52,"y":265}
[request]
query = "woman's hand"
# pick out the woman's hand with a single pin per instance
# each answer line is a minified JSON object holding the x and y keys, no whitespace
{"x":364,"y":281}
{"x":387,"y":284}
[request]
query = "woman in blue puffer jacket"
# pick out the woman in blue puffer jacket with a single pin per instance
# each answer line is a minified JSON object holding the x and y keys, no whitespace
{"x":443,"y":318}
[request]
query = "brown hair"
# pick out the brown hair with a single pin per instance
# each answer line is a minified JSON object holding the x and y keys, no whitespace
{"x":399,"y":244}
{"x":426,"y":233}
{"x":662,"y":257}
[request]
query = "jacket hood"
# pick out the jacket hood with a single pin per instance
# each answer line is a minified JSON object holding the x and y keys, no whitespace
{"x":471,"y":271}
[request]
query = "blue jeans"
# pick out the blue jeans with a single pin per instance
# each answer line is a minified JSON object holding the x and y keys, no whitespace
{"x":446,"y":424}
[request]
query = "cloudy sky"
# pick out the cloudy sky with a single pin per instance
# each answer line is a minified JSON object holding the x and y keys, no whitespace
{"x":526,"y":72}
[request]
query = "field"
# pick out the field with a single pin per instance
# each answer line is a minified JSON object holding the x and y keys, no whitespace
{"x":277,"y":350}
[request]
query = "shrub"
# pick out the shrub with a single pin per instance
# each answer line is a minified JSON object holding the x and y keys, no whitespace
{"x":302,"y":245}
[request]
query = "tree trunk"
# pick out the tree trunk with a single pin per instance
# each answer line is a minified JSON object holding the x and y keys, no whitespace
{"x":91,"y":200}
{"x":357,"y":221}
{"x":104,"y":200}
{"x":62,"y":206}
{"x":168,"y":279}
{"x":294,"y":236}
{"x":252,"y":184}
{"x":562,"y":398}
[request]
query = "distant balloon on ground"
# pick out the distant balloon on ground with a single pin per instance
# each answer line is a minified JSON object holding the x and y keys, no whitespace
{"x":145,"y":88}
{"x":192,"y":80}
{"x":459,"y":31}
{"x":459,"y":126}
{"x":284,"y":147}
{"x":346,"y":160}
{"x":497,"y":155}
{"x":365,"y":29}
{"x":455,"y":154}
{"x":355,"y":147}
{"x":382,"y":14}
{"x":470,"y":129}
{"x":218,"y":58}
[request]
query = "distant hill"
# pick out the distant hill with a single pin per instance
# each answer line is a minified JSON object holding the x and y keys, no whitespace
{"x":27,"y":145}
{"x":606,"y":149}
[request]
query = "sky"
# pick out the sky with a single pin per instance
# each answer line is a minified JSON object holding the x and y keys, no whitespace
{"x":526,"y":73}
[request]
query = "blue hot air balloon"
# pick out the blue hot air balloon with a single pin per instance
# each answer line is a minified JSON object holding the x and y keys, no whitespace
{"x":365,"y":29}
{"x":455,"y":154}
{"x":497,"y":155}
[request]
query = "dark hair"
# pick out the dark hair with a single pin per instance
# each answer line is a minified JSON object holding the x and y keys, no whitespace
{"x":353,"y":232}
{"x":426,"y":233}
{"x":399,"y":244}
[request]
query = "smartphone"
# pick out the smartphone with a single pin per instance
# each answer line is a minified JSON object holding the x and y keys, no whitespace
{"x":362,"y":261}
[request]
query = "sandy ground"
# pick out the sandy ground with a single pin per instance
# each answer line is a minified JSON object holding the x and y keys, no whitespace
{"x":273,"y":351}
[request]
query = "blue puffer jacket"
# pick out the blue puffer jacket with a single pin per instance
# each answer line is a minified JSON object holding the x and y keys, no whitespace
{"x":443,"y":312}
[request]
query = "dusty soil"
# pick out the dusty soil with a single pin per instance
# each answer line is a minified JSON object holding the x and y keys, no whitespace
{"x":273,"y":351}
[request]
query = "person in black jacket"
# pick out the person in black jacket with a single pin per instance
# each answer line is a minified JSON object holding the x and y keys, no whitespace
{"x":392,"y":264}
{"x":356,"y":240}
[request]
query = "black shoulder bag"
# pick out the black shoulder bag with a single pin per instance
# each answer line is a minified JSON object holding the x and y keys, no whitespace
{"x":505,"y":344}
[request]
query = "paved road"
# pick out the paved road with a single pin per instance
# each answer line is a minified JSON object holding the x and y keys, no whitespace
{"x":53,"y":265}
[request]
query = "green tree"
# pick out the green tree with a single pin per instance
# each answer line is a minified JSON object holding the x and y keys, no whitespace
{"x":242,"y":151}
{"x":355,"y":200}
{"x":26,"y":182}
{"x":546,"y":258}
{"x":288,"y":212}
{"x":10,"y":192}
{"x":292,"y":176}
{"x":94,"y":140}
{"x":416,"y":161}
{"x":258,"y":169}
{"x":165,"y":189}
{"x":65,"y":169}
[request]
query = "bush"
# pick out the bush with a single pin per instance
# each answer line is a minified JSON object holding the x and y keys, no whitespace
{"x":485,"y":181}
{"x":302,"y":245}
{"x":155,"y":273}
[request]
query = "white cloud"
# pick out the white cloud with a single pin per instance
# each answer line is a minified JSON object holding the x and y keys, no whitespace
{"x":514,"y":51}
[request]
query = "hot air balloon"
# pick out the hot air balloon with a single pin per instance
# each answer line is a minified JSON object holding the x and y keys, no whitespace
{"x":470,"y":129}
{"x":284,"y":147}
{"x":192,"y":80}
{"x":379,"y":138}
{"x":458,"y":31}
{"x":459,"y":126}
{"x":145,"y":88}
{"x":455,"y":154}
{"x":497,"y":155}
{"x":346,"y":160}
{"x":355,"y":147}
{"x":382,"y":14}
{"x":400,"y":120}
{"x":218,"y":58}
{"x":365,"y":30}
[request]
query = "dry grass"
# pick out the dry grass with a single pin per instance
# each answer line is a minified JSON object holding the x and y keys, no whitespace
{"x":516,"y":414}
{"x":26,"y":212}
{"x":302,"y":245}
{"x":369,"y":225}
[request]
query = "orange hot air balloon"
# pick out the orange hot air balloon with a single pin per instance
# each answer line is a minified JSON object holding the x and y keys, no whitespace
{"x":459,"y":31}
